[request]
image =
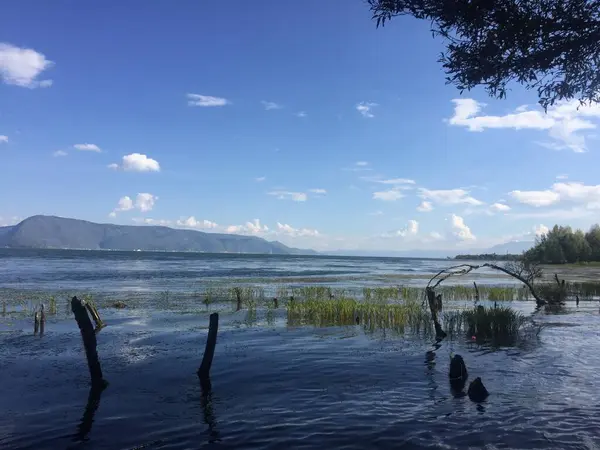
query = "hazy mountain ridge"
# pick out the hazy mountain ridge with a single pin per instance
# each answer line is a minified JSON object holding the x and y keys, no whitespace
{"x":64,"y":233}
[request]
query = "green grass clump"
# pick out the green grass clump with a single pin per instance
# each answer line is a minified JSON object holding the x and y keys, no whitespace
{"x":373,"y":314}
{"x":485,"y":323}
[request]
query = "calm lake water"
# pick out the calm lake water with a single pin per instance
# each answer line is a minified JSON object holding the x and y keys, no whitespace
{"x":275,"y":385}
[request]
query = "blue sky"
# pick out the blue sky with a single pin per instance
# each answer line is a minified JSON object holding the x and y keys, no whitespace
{"x":295,"y":121}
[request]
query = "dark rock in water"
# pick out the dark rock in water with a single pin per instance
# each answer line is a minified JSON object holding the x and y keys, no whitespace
{"x":458,"y":373}
{"x":477,"y":391}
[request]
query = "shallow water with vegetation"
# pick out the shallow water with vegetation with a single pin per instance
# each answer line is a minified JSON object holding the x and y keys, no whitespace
{"x":281,"y":376}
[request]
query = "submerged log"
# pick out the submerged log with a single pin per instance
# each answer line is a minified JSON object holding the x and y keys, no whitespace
{"x":88,"y":335}
{"x":431,"y":298}
{"x":209,"y":351}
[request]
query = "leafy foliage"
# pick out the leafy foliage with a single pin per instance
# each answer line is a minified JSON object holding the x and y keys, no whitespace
{"x":563,"y":245}
{"x":552,"y":46}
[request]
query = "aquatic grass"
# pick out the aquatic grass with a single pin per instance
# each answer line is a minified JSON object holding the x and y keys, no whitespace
{"x":485,"y":323}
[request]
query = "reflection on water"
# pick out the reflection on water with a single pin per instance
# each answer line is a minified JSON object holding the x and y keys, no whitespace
{"x":274,"y":387}
{"x":93,"y":402}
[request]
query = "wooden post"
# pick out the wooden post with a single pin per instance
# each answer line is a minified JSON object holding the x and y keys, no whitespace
{"x":476,"y":292}
{"x":36,"y":323}
{"x":42,"y":320}
{"x":209,"y":351}
{"x":439,"y":333}
{"x":89,"y":341}
{"x":275,"y":303}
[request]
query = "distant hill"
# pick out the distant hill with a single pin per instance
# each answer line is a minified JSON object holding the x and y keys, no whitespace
{"x":63,"y":233}
{"x":512,"y":247}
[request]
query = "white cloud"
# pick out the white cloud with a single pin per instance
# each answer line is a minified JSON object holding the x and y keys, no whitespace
{"x":376,"y":213}
{"x":3,"y":139}
{"x":270,"y":105}
{"x":361,"y":163}
{"x":260,"y":179}
{"x":191,"y":222}
{"x":410,"y":230}
{"x":125,"y":204}
{"x":562,"y":177}
{"x":425,"y":207}
{"x":296,"y":232}
{"x":461,"y":230}
{"x":88,"y":148}
{"x":449,"y":196}
{"x":22,"y":66}
{"x":8,"y":221}
{"x":365,"y":108}
{"x":535,"y":198}
{"x":390,"y":181}
{"x":252,"y":228}
{"x":143,"y":202}
{"x":59,"y":153}
{"x":564,"y":121}
{"x":436,"y":236}
{"x":499,"y":207}
{"x":206,"y":100}
{"x":389,"y":195}
{"x":318,"y":191}
{"x":137,"y":162}
{"x":540,"y":229}
{"x":301,"y":114}
{"x":287,"y":195}
{"x":149,"y":221}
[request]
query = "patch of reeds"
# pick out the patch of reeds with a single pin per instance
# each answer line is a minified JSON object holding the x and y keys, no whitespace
{"x":484,"y":323}
{"x":344,"y":311}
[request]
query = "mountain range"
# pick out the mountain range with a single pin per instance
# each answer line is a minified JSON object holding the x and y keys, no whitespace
{"x":63,"y":233}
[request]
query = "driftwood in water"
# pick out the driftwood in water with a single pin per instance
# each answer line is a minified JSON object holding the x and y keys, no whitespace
{"x":88,"y":335}
{"x":433,"y":308}
{"x":209,"y":351}
{"x":95,"y":315}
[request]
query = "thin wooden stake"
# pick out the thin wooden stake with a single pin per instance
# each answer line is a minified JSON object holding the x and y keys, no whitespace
{"x":89,"y":341}
{"x":36,"y":323}
{"x":476,"y":292}
{"x":209,"y":351}
{"x":42,"y":320}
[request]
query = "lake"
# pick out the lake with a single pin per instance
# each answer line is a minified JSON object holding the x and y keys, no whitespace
{"x":275,"y":384}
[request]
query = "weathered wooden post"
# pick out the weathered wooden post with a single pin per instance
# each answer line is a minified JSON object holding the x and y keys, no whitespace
{"x":42,"y":320}
{"x":476,"y":292}
{"x":89,"y":341}
{"x":36,"y":322}
{"x":209,"y":351}
{"x":275,"y":302}
{"x":432,"y":300}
